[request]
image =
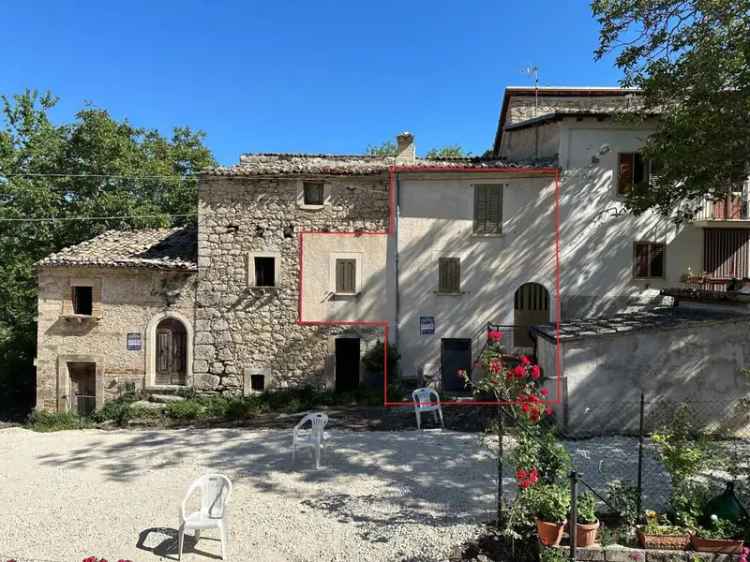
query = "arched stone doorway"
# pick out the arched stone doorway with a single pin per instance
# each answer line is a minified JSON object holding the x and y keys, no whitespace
{"x":530,"y":307}
{"x":169,"y":353}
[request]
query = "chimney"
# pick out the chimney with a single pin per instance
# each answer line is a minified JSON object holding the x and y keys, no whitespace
{"x":407,"y":151}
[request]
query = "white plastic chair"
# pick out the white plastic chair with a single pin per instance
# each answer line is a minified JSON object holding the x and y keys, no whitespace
{"x":313,"y":438}
{"x":216,"y":489}
{"x":423,"y":402}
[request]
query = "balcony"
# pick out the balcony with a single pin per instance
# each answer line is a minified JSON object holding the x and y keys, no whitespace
{"x":731,"y":212}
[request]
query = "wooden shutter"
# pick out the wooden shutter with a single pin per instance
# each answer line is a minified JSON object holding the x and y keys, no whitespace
{"x":449,"y":275}
{"x":488,"y":208}
{"x":164,"y":351}
{"x":625,"y":172}
{"x":640,"y":259}
{"x":346,"y":276}
{"x":656,"y":260}
{"x":96,"y":299}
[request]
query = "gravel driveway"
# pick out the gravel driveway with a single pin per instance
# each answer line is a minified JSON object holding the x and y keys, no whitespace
{"x":380,"y":496}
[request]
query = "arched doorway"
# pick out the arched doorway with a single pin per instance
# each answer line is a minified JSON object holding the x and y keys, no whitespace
{"x":171,"y":352}
{"x":530,"y":307}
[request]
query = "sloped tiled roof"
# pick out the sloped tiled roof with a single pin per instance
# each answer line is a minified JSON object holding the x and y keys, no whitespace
{"x":274,"y":164}
{"x":157,"y":248}
{"x":656,"y":318}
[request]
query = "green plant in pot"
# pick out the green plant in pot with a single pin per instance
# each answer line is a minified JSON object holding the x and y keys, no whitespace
{"x":587,"y":523}
{"x":719,"y":535}
{"x":551,"y":505}
{"x":659,"y":533}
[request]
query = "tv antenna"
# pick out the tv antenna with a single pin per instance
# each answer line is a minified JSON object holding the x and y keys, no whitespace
{"x":532,"y":71}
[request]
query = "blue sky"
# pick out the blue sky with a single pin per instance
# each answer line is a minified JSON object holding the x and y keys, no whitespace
{"x":317,"y":76}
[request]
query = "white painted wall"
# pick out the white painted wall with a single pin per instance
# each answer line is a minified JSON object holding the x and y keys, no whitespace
{"x":436,"y":220}
{"x":597,"y":234}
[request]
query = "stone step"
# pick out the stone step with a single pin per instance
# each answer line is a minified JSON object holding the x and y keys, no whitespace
{"x":165,"y":398}
{"x":145,"y":404}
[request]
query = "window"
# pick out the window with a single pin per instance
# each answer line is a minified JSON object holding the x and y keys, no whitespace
{"x":346,"y":276}
{"x":449,"y":275}
{"x":313,"y":192}
{"x":488,"y":209}
{"x":257,"y":383}
{"x":648,"y":260}
{"x":265,"y":272}
{"x":632,"y":171}
{"x":83,"y":300}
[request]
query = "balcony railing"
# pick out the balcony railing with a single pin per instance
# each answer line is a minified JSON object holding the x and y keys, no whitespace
{"x":735,"y":207}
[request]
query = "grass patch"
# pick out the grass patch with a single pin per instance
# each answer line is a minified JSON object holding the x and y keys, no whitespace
{"x":54,"y":421}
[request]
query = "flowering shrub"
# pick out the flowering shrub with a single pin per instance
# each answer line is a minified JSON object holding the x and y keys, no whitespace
{"x":95,"y":559}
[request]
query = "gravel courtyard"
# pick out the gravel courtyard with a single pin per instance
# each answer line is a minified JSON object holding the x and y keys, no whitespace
{"x":115,"y":494}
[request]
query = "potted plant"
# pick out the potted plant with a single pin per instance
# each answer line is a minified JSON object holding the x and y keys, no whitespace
{"x":659,"y":533}
{"x":587,"y":523}
{"x":720,"y":535}
{"x":550,"y":504}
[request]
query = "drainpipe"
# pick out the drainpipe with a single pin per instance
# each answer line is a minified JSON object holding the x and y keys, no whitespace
{"x":397,"y":216}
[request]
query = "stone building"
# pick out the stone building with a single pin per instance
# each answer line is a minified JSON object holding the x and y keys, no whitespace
{"x":301,"y":263}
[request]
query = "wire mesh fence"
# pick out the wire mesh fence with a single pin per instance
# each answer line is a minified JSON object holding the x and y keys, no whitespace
{"x":620,"y":445}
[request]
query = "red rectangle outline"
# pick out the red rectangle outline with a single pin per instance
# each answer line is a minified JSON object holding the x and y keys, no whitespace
{"x":393,"y":171}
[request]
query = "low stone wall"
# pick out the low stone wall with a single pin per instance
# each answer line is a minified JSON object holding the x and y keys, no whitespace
{"x":618,"y":553}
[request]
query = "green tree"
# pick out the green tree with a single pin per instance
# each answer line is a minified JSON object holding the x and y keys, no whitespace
{"x":449,"y":151}
{"x":386,"y":148}
{"x":80,"y":169}
{"x":691,"y":59}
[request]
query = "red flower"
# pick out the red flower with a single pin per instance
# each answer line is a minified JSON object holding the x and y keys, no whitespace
{"x":525,"y":360}
{"x":90,"y":559}
{"x":533,"y":476}
{"x":548,"y":410}
{"x":460,"y":373}
{"x":525,"y":407}
{"x":544,"y":392}
{"x":494,"y":336}
{"x":536,"y":372}
{"x":519,"y":371}
{"x":534,"y":416}
{"x":520,"y":475}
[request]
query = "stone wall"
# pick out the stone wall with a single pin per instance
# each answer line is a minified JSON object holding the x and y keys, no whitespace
{"x":241,"y":328}
{"x":131,"y":299}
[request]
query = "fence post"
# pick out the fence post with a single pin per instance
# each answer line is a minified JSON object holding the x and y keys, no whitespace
{"x":640,"y":455}
{"x":573,"y":513}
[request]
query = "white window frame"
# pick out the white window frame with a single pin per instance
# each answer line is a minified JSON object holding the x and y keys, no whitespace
{"x":251,"y":282}
{"x":301,"y":195}
{"x":358,"y":271}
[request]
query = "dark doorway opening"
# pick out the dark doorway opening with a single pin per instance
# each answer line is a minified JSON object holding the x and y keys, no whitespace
{"x":171,"y":352}
{"x":82,"y":388}
{"x":347,"y":364}
{"x":455,"y":354}
{"x":530,"y":308}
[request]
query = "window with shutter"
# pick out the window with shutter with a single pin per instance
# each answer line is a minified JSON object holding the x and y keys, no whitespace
{"x":313,"y":192}
{"x":449,"y":275}
{"x":648,"y":260}
{"x":346,"y":276}
{"x":488,"y":209}
{"x":632,"y":171}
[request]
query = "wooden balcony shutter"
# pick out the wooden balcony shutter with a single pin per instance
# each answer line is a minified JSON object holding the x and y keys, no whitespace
{"x":449,"y":275}
{"x":725,"y":252}
{"x":656,"y":260}
{"x":346,"y":276}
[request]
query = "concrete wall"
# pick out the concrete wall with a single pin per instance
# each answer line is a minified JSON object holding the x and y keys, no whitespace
{"x":603,"y":377}
{"x":597,"y":234}
{"x":436,"y":220}
{"x":241,"y":328}
{"x":540,"y":142}
{"x":131,"y":301}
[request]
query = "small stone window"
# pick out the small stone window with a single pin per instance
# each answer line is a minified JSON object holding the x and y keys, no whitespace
{"x":83,"y":300}
{"x":257,"y":383}
{"x":265,"y":272}
{"x":313,"y":192}
{"x":263,"y":269}
{"x":346,"y":276}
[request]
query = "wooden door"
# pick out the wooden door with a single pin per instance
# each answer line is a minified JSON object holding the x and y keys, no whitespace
{"x":455,"y":354}
{"x":171,"y":353}
{"x":82,"y":388}
{"x":347,"y":364}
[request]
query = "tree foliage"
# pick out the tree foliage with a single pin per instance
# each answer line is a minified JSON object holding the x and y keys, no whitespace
{"x":80,"y":169}
{"x":386,"y":148}
{"x":448,"y":151}
{"x":691,"y":59}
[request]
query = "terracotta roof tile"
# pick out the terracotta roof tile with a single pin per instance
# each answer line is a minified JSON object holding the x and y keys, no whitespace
{"x":159,"y":248}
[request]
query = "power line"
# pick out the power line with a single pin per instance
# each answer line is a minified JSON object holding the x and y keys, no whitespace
{"x":119,"y":217}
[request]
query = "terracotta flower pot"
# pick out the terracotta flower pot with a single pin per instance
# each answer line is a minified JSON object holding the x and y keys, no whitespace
{"x":586,"y":533}
{"x":550,"y":534}
{"x":723,"y":546}
{"x":663,"y":542}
